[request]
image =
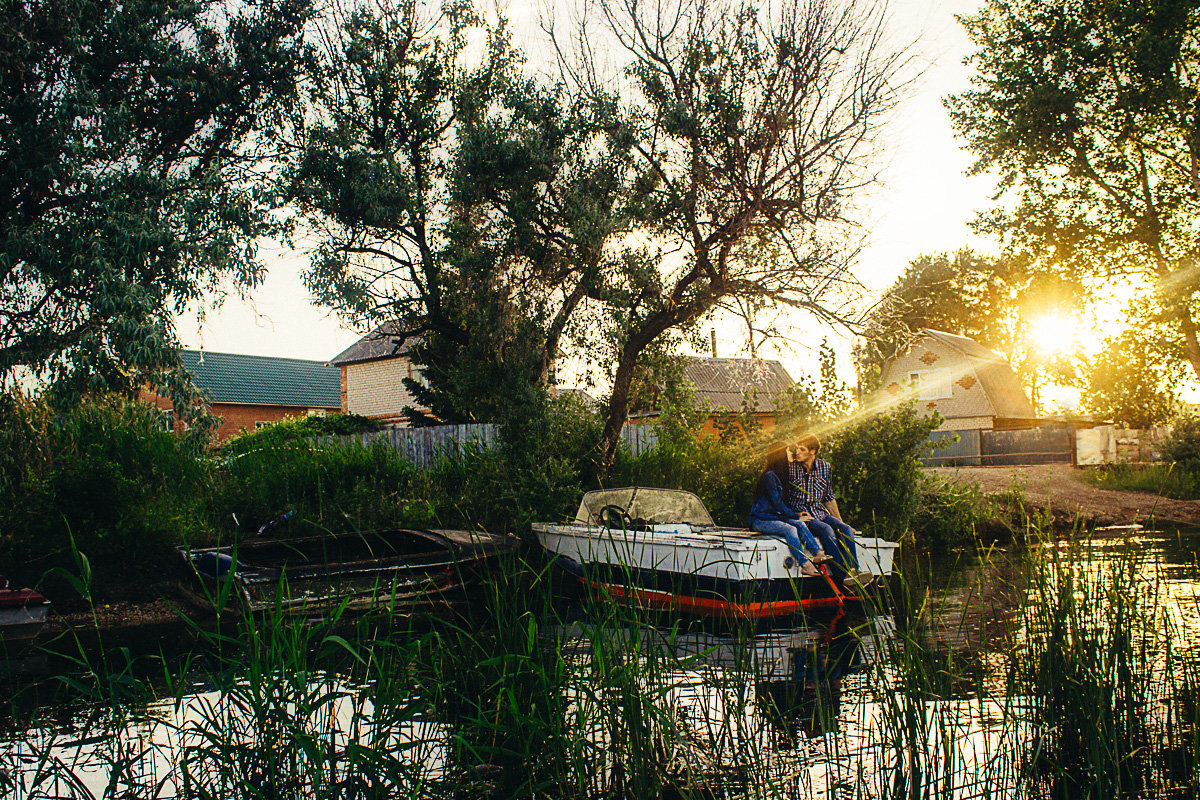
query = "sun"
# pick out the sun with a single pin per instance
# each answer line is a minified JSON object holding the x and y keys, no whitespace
{"x":1055,"y":334}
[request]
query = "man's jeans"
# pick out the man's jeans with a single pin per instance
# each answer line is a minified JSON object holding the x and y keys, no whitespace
{"x":841,"y":545}
{"x":795,"y":534}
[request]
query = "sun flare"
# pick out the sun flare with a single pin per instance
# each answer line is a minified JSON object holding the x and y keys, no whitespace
{"x":1055,"y":335}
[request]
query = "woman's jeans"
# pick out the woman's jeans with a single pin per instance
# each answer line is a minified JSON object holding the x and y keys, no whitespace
{"x":840,"y":545}
{"x":795,"y":534}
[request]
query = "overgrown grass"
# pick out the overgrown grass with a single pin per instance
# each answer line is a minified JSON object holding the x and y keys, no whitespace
{"x":1166,"y":480}
{"x":1090,"y":694}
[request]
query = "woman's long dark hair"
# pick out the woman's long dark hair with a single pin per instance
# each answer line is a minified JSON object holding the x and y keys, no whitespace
{"x":776,"y":462}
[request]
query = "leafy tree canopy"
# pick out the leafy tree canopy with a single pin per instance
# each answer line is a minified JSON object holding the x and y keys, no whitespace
{"x":1089,"y":113}
{"x":991,"y":300}
{"x":133,"y":139}
{"x":499,"y":217}
{"x":454,"y":197}
{"x":1135,"y":378}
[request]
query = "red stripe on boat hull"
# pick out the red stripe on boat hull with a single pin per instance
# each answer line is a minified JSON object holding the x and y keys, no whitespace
{"x":711,"y":607}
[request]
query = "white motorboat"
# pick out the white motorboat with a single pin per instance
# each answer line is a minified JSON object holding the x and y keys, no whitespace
{"x":23,"y":612}
{"x":661,"y":548}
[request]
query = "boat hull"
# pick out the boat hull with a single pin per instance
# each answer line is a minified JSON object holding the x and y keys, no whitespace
{"x":400,"y":570}
{"x":23,"y":613}
{"x":719,"y":572}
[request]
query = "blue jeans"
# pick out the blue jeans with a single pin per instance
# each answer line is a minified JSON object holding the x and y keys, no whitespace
{"x":840,"y":545}
{"x":794,"y":533}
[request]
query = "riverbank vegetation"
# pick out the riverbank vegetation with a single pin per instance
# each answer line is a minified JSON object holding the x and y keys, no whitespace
{"x":1178,"y":476}
{"x":107,"y":479}
{"x":1085,"y":689}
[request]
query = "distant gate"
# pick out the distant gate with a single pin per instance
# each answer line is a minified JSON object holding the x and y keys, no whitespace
{"x":974,"y":448}
{"x":1034,"y":446}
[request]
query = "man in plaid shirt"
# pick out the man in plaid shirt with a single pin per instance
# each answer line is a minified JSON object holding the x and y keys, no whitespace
{"x":810,"y":493}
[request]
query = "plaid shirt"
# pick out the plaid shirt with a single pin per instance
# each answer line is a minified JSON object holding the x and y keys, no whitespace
{"x":808,"y":490}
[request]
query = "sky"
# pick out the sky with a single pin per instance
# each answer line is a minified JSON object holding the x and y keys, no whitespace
{"x":923,"y":203}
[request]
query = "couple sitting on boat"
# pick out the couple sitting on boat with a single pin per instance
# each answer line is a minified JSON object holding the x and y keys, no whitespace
{"x":794,"y":501}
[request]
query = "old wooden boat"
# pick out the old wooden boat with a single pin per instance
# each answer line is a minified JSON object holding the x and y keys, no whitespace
{"x":23,"y":613}
{"x":661,"y":549}
{"x":401,"y":569}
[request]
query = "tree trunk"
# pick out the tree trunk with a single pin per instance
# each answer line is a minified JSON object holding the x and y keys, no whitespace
{"x":1188,"y":326}
{"x":618,"y":404}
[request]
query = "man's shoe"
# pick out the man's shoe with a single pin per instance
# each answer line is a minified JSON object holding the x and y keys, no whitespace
{"x":858,"y":580}
{"x":821,"y":558}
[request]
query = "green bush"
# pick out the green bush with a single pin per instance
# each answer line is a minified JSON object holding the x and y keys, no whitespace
{"x":721,"y":473}
{"x":950,"y":513}
{"x":324,"y":488}
{"x":106,"y":478}
{"x":298,"y":430}
{"x":877,"y":474}
{"x":1182,"y":446}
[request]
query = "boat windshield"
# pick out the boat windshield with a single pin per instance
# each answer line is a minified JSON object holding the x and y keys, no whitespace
{"x":654,"y":506}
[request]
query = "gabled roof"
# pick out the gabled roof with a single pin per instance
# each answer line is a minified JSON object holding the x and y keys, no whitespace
{"x":1000,"y":384}
{"x":968,"y":347}
{"x":725,"y":381}
{"x":378,"y":344}
{"x":264,"y":380}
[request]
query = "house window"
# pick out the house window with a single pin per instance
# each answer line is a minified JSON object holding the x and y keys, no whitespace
{"x":316,"y":412}
{"x":931,"y":384}
{"x":417,"y":375}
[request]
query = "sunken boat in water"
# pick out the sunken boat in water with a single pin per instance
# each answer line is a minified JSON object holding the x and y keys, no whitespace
{"x":402,"y":570}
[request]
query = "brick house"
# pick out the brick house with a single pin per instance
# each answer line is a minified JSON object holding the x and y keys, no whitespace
{"x":248,"y":392}
{"x":725,"y":382}
{"x":969,"y":385}
{"x":372,"y":373}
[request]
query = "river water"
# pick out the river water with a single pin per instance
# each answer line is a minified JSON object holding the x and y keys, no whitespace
{"x":920,"y":699}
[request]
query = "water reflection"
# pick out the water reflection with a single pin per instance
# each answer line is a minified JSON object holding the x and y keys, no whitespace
{"x":925,"y":702}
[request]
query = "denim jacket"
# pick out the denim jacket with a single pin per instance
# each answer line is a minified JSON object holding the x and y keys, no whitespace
{"x":770,"y":505}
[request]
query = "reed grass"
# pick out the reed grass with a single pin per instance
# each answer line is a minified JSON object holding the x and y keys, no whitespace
{"x":1090,"y":689}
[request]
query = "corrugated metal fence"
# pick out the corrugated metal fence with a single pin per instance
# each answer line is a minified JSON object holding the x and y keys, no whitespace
{"x":974,"y":448}
{"x":422,"y":445}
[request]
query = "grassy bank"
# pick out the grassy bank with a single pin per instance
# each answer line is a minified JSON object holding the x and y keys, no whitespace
{"x":107,"y":480}
{"x":1177,"y":481}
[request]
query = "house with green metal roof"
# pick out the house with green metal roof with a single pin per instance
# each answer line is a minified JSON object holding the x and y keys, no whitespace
{"x":248,"y":392}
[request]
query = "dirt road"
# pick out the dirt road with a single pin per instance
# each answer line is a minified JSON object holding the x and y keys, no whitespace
{"x":1060,"y":487}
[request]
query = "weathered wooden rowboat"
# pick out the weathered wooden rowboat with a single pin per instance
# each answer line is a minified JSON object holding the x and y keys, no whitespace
{"x":402,"y":569}
{"x":660,"y":548}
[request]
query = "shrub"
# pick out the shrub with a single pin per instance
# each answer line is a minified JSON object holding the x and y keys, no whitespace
{"x":335,"y":487}
{"x":721,"y":473}
{"x":104,"y":477}
{"x":949,"y":513}
{"x":1182,"y":445}
{"x":876,"y":470}
{"x":300,"y":429}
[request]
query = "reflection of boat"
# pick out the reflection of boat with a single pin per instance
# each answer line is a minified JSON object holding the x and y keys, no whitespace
{"x":399,"y":569}
{"x":661,"y":548}
{"x":23,"y":612}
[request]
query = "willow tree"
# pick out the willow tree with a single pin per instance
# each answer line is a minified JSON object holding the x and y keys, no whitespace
{"x":1090,"y":114}
{"x":453,"y":200}
{"x":749,"y":131}
{"x":134,"y":142}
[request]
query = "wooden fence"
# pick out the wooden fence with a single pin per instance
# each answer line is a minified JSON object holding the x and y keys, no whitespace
{"x":422,"y":445}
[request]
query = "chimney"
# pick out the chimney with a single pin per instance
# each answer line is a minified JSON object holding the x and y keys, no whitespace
{"x":712,"y":335}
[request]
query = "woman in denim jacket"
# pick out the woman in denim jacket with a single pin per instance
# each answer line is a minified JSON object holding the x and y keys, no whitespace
{"x":769,"y":514}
